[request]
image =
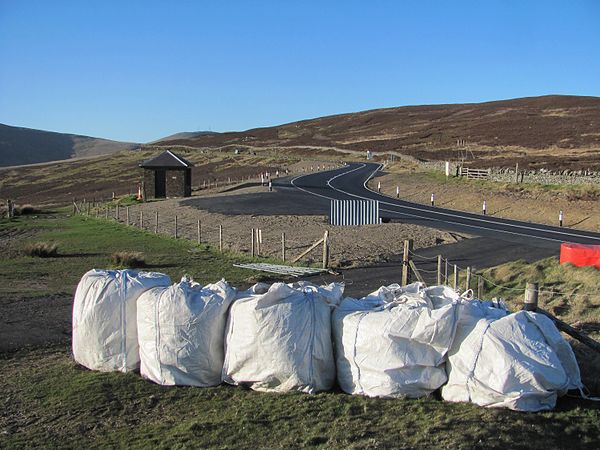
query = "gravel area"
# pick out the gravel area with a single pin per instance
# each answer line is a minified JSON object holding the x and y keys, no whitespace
{"x":349,"y":246}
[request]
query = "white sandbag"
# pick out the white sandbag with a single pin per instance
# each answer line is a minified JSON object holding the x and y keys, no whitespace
{"x":518,"y":361}
{"x":278,"y":338}
{"x":104,"y":318}
{"x":393,"y":343}
{"x":180,"y":332}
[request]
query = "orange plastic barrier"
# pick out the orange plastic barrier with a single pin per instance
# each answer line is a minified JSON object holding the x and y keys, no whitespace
{"x":580,"y":254}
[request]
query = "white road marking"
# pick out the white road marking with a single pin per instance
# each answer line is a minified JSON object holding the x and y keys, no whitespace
{"x":451,"y":215}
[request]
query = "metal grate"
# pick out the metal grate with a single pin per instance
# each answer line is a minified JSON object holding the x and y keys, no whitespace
{"x":354,"y":212}
{"x":283,"y":270}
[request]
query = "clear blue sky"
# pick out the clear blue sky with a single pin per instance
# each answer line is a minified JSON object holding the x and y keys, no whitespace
{"x":139,"y":71}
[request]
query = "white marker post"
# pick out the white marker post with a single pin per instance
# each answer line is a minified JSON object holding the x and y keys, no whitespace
{"x":262,"y":179}
{"x":379,"y":186}
{"x":270,"y":186}
{"x":397,"y":191}
{"x":484,"y":208}
{"x":432,"y":199}
{"x":561,"y":216}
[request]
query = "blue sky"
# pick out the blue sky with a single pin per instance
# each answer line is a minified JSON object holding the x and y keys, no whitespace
{"x":138,"y":71}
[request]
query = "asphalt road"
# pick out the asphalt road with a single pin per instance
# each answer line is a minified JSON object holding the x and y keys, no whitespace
{"x":351,"y":183}
{"x":497,"y":240}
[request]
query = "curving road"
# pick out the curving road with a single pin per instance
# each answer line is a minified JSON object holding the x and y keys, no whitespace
{"x":351,"y":181}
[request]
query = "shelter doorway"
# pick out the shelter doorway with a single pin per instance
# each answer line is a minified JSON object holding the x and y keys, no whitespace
{"x":160,"y":182}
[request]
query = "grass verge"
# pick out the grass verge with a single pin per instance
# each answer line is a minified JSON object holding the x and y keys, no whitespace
{"x":53,"y":403}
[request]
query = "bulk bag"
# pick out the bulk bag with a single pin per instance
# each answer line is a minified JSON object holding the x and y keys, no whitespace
{"x":393,"y":343}
{"x":104,"y":318}
{"x":278,"y":338}
{"x":180,"y":332}
{"x":518,"y":361}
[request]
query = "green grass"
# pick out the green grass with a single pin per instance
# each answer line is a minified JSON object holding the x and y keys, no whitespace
{"x":567,"y":291}
{"x":62,"y":405}
{"x":85,"y":243}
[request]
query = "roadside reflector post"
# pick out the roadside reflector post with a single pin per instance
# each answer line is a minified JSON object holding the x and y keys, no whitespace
{"x":484,"y":208}
{"x":455,"y":280}
{"x":408,"y":246}
{"x":447,"y":169}
{"x":379,"y":186}
{"x":432,"y":199}
{"x":270,"y":186}
{"x":252,"y":244}
{"x":531,"y":297}
{"x":468,"y":280}
{"x":283,"y":247}
{"x":517,"y":173}
{"x":397,"y":191}
{"x":560,"y":218}
{"x":439,"y":269}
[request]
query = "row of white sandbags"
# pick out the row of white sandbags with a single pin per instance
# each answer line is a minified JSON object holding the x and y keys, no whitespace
{"x":394,"y":342}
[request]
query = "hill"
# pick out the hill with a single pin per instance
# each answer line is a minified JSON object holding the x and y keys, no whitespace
{"x":551,"y":127}
{"x":28,"y":146}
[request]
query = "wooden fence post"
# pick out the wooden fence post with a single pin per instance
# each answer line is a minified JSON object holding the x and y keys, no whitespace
{"x":455,"y":280}
{"x":199,"y":232}
{"x":117,"y":212}
{"x":439,"y":269}
{"x":252,"y":244}
{"x":141,"y":219}
{"x":155,"y":222}
{"x":175,"y":226}
{"x":74,"y":205}
{"x":326,"y":249}
{"x":480,"y":287}
{"x":408,"y":246}
{"x":106,"y":212}
{"x":446,"y":273}
{"x":283,"y":247}
{"x":221,"y":238}
{"x":468,"y":280}
{"x":127,"y":215}
{"x":531,"y":297}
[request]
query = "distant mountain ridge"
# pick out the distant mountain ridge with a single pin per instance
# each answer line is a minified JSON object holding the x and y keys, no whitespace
{"x":20,"y":146}
{"x":523,"y":126}
{"x":560,"y":121}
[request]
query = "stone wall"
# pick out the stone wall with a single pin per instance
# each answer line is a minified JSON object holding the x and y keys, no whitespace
{"x":541,"y":176}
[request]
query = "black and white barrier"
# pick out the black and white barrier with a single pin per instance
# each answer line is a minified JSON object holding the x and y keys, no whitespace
{"x":354,"y":212}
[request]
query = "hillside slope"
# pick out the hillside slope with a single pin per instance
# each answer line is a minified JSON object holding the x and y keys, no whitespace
{"x":28,"y":146}
{"x":565,"y":125}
